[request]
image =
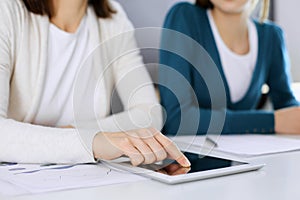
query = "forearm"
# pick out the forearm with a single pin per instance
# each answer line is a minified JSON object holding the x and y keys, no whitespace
{"x":27,"y":143}
{"x":200,"y":121}
{"x":143,"y":116}
{"x":250,"y":121}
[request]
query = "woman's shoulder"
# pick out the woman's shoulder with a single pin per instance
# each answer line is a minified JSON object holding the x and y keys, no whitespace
{"x":118,"y":19}
{"x":119,"y":15}
{"x":9,"y":3}
{"x":12,"y":14}
{"x":272,"y":38}
{"x":117,"y":24}
{"x":186,"y":18}
{"x":186,"y":9}
{"x":269,"y":29}
{"x":118,"y":8}
{"x":13,"y":7}
{"x":187,"y":6}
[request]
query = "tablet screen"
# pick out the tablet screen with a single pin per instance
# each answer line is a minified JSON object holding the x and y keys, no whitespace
{"x":199,"y":163}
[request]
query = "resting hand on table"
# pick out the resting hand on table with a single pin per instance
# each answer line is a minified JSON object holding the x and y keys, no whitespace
{"x":287,"y":121}
{"x":143,"y":146}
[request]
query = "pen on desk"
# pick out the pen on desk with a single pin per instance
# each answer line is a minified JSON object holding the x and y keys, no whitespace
{"x":208,"y":139}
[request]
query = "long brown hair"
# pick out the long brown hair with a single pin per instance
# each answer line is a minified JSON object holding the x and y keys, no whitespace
{"x":102,"y":8}
{"x":264,"y":13}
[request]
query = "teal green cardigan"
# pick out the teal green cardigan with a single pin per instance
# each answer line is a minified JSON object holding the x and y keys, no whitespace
{"x":272,"y":68}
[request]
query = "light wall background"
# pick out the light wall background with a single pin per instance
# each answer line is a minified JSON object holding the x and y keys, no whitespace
{"x":287,"y":15}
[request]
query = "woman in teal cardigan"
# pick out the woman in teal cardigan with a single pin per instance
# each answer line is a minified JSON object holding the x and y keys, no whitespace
{"x":243,"y":49}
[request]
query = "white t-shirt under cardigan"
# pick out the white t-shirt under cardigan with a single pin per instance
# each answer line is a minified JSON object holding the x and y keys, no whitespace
{"x":24,"y":46}
{"x":66,"y":52}
{"x":238,"y":69}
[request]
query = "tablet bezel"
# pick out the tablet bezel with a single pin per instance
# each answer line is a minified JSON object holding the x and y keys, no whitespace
{"x":247,"y":167}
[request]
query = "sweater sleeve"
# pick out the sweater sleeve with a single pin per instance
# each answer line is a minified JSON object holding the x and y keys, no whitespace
{"x":132,"y":81}
{"x":181,"y":108}
{"x":22,"y":142}
{"x":279,"y":78}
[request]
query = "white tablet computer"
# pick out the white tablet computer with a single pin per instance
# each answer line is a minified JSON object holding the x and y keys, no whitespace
{"x":202,"y":167}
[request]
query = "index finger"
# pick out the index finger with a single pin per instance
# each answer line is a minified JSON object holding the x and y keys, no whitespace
{"x":172,"y":150}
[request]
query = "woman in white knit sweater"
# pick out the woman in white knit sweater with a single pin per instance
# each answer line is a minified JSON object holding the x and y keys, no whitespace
{"x":50,"y":110}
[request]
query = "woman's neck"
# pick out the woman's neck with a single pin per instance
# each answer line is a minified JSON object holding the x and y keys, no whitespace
{"x":67,"y":14}
{"x":233,"y":29}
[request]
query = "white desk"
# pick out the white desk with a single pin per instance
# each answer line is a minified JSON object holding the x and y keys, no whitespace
{"x":279,"y":180}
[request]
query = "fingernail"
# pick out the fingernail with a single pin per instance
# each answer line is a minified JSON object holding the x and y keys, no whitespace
{"x":186,"y":163}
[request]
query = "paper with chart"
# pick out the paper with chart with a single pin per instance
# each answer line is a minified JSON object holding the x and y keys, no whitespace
{"x":246,"y":145}
{"x":38,"y":179}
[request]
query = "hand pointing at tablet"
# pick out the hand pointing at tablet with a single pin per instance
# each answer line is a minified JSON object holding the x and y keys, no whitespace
{"x":144,"y":146}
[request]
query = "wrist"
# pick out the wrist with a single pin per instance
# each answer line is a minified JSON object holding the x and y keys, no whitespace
{"x":277,"y":121}
{"x":95,"y":146}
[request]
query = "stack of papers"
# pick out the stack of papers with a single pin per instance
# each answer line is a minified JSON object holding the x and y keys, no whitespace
{"x":18,"y":179}
{"x":244,"y":145}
